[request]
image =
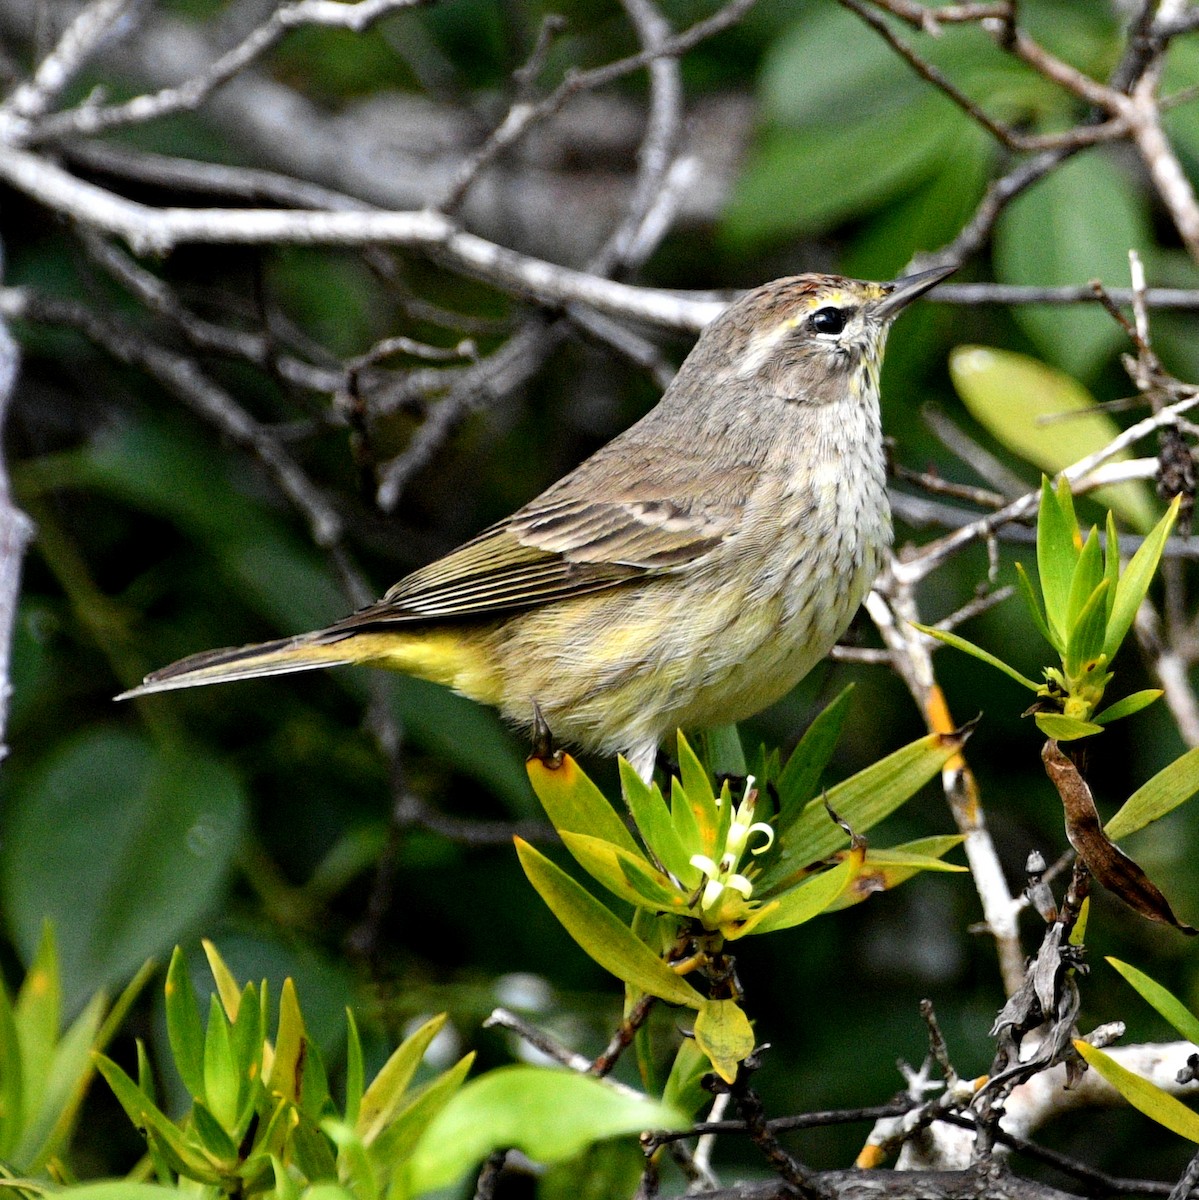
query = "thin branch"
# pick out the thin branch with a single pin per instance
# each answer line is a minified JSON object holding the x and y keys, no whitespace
{"x":15,"y":533}
{"x":78,"y":43}
{"x":90,"y":119}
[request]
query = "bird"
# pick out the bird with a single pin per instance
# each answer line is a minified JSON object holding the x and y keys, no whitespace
{"x":688,"y":574}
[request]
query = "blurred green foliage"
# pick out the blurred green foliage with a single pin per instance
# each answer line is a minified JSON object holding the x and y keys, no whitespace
{"x":255,"y":813}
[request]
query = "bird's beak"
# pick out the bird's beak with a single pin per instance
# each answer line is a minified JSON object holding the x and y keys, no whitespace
{"x":903,"y":291}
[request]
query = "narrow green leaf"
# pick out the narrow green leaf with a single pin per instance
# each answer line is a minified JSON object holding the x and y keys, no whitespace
{"x":1171,"y":786}
{"x":1084,"y":643}
{"x":395,"y":1145}
{"x":66,"y":1082}
{"x":1159,"y":1106}
{"x":38,"y":1013}
{"x":184,"y":1027}
{"x":652,"y":818}
{"x":1127,"y":705}
{"x":311,"y":1152}
{"x":723,"y":751}
{"x":601,"y":934}
{"x":1162,"y":1001}
{"x":1111,"y":563}
{"x":887,"y":869}
{"x":146,"y":1115}
{"x":960,"y":643}
{"x":1088,"y":573}
{"x":1034,"y":607}
{"x":354,"y":1166}
{"x":574,"y":804}
{"x":12,"y":1090}
{"x":698,"y":786}
{"x":546,"y":1113}
{"x":630,"y":877}
{"x":801,"y":776}
{"x":683,"y":1091}
{"x":809,"y":899}
{"x":724,"y":1034}
{"x":1135,"y":580}
{"x":862,"y":800}
{"x":355,"y":1079}
{"x":1065,"y":729}
{"x":291,"y":1046}
{"x":1057,"y":553}
{"x":221,"y":1083}
{"x":383,"y":1097}
{"x":213,"y":1137}
{"x":226,"y":985}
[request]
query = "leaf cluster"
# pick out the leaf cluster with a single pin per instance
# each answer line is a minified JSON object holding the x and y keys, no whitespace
{"x":1087,"y":603}
{"x":690,"y":868}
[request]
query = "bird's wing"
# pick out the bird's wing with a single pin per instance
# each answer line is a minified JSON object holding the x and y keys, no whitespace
{"x":557,"y":547}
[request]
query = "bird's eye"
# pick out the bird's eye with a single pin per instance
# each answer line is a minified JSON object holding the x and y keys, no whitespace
{"x":828,"y":320}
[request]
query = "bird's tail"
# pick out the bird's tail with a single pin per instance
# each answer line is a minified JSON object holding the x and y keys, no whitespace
{"x":305,"y":653}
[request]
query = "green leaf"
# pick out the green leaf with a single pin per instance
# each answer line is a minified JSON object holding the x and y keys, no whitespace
{"x":683,"y":1091}
{"x":697,"y":784}
{"x":1026,"y":405}
{"x":1164,"y":1002}
{"x":601,"y":934}
{"x":1088,"y":574}
{"x":147,"y":1116}
{"x":960,"y":643}
{"x":862,"y":800}
{"x":801,"y":776}
{"x":1135,"y":580}
{"x":396,"y":1144}
{"x":184,"y":1027}
{"x":12,"y":1089}
{"x":629,"y":877}
{"x":724,"y":1034}
{"x":354,"y":1166}
{"x":226,"y":985}
{"x":1057,"y":554}
{"x":809,"y":899}
{"x":773,"y":197}
{"x":1077,"y":222}
{"x":1065,"y":729}
{"x":291,"y":1047}
{"x":723,"y":751}
{"x":220,"y":1071}
{"x":126,"y":821}
{"x":652,"y":818}
{"x":385,"y":1094}
{"x":1127,"y":705}
{"x":38,"y":1014}
{"x":1085,"y":641}
{"x":1111,"y":563}
{"x":1171,"y":786}
{"x":1034,"y":607}
{"x":67,"y":1078}
{"x":123,"y":1189}
{"x":354,"y":1070}
{"x":215,"y":1141}
{"x":547,"y":1114}
{"x":1159,"y":1106}
{"x":888,"y":868}
{"x":574,"y":804}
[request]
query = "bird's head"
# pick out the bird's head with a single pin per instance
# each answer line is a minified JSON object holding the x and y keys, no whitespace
{"x":809,"y":337}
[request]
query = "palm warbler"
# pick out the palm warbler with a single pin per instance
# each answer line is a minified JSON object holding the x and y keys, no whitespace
{"x":689,"y":573}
